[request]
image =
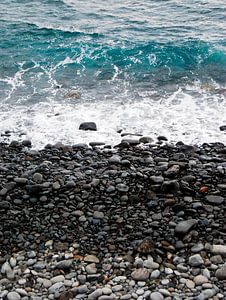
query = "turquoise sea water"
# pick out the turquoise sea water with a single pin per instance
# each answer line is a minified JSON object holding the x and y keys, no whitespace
{"x":152,"y":67}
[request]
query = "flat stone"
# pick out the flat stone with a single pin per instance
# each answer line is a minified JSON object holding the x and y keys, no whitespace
{"x":197,"y":248}
{"x":200,"y":279}
{"x":59,"y":278}
{"x":206,"y":294}
{"x":219,"y":249}
{"x":157,"y":179}
{"x":185,"y":226}
{"x":95,"y":295}
{"x":141,"y":274}
{"x":57,"y":288}
{"x":91,"y":259}
{"x":195,"y":260}
{"x":13,"y":296}
{"x":221,"y":273}
{"x":107,"y":297}
{"x":21,"y":180}
{"x":190,"y":284}
{"x":122,"y":187}
{"x":64,"y":265}
{"x":212,"y":199}
{"x":156,"y":296}
{"x":107,"y":291}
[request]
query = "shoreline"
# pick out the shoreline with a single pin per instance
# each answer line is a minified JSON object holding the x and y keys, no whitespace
{"x":82,"y":222}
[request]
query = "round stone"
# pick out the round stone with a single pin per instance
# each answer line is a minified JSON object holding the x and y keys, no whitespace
{"x":13,"y":296}
{"x":37,"y":177}
{"x":156,"y":296}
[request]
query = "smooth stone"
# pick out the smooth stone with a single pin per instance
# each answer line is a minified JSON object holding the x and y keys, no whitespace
{"x":115,"y":159}
{"x":200,"y":279}
{"x":59,"y":278}
{"x":218,"y":249}
{"x":190,"y":284}
{"x":13,"y":296}
{"x":107,"y":291}
{"x":155,"y":274}
{"x":223,"y":128}
{"x":37,"y":177}
{"x":213,"y":199}
{"x":57,"y":288}
{"x":221,"y":273}
{"x":22,"y":292}
{"x":88,"y":126}
{"x":95,"y":295}
{"x":197,"y":248}
{"x":195,"y":260}
{"x":64,"y":265}
{"x":12,"y":262}
{"x":91,"y":259}
{"x":141,"y":274}
{"x":145,"y":140}
{"x":122,"y":187}
{"x":125,"y":297}
{"x":117,"y":288}
{"x":185,"y":226}
{"x":157,"y":179}
{"x":21,"y":180}
{"x":206,"y":294}
{"x":106,"y":297}
{"x":91,"y":268}
{"x":156,"y":296}
{"x":98,"y":215}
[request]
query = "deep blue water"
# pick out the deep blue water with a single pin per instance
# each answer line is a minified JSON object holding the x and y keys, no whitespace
{"x":111,"y":51}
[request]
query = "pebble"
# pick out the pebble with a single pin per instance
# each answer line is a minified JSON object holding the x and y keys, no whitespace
{"x":219,"y":249}
{"x":95,"y":295}
{"x":185,"y":226}
{"x":156,"y":296}
{"x":57,"y":288}
{"x":155,"y":274}
{"x":200,"y":279}
{"x":13,"y":296}
{"x":196,"y":260}
{"x":91,"y":259}
{"x":221,"y":273}
{"x":141,"y":274}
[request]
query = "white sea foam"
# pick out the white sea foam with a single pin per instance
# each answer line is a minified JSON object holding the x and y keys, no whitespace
{"x":179,"y":117}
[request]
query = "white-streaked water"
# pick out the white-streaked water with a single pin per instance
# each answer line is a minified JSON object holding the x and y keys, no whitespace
{"x":151,"y":68}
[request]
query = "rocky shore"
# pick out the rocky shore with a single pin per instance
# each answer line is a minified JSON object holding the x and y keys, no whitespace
{"x":138,"y":221}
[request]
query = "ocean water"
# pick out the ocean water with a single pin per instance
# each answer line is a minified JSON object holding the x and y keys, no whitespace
{"x":154,"y":67}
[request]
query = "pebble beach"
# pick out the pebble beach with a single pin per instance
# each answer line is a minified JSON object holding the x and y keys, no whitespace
{"x":140,"y":220}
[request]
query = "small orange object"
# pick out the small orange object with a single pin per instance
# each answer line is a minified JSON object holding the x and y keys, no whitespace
{"x":203,"y":189}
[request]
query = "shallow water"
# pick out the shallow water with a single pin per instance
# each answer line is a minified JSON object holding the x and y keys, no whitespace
{"x":152,"y":68}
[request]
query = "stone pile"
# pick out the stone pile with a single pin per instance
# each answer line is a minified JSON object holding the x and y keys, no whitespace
{"x":133,"y":222}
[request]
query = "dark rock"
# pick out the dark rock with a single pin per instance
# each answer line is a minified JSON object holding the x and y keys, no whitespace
{"x":88,"y":126}
{"x":185,"y":226}
{"x":223,"y":128}
{"x":170,"y":186}
{"x":26,"y":143}
{"x":162,"y":138}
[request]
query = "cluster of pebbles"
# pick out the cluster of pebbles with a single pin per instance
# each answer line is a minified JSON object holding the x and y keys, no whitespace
{"x":131,"y":222}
